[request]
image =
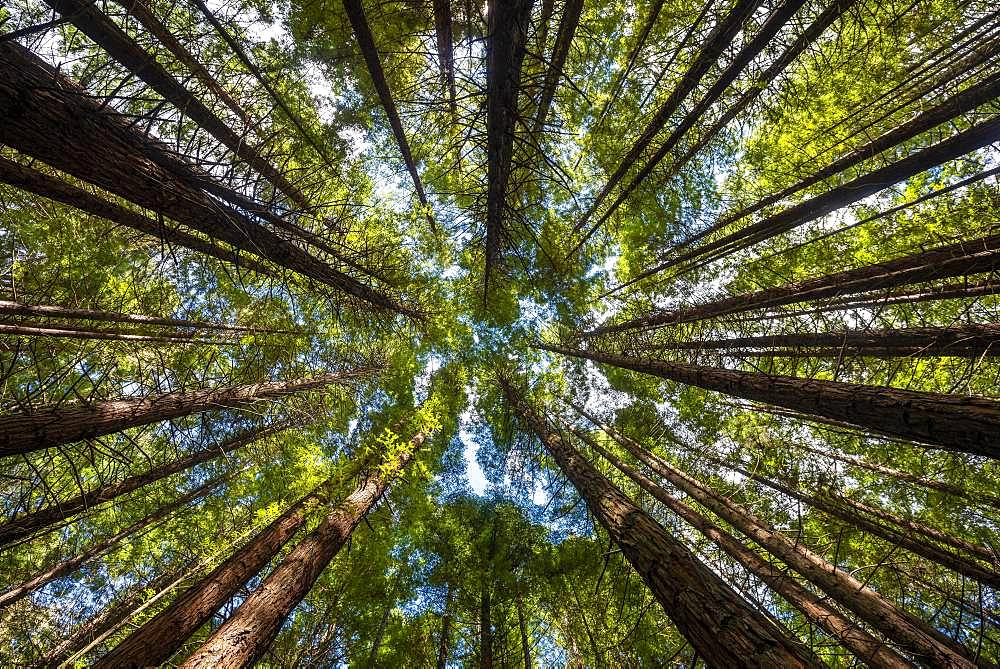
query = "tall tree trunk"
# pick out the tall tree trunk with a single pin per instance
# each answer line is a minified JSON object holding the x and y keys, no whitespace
{"x":160,"y":637}
{"x":808,"y":36}
{"x":9,"y":308}
{"x":781,"y":16}
{"x":380,"y":635}
{"x":446,"y":52}
{"x":509,"y":24}
{"x":522,"y":625}
{"x":485,"y":628}
{"x":965,"y":424}
{"x":965,"y":258}
{"x":105,"y":621}
{"x":966,"y":340}
{"x":693,"y":596}
{"x":564,"y":40}
{"x":71,"y":564}
{"x":50,"y":426}
{"x":50,"y":118}
{"x":98,"y":27}
{"x":965,"y":142}
{"x":852,"y":513}
{"x":56,"y":189}
{"x":957,"y":105}
{"x":912,"y":634}
{"x":28,"y":524}
{"x":715,"y":44}
{"x":445,"y":642}
{"x":26,"y":330}
{"x":249,"y":631}
{"x":362,"y":33}
{"x":817,"y":610}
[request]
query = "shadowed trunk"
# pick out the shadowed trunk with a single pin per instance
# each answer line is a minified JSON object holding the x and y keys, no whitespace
{"x":98,"y":27}
{"x":160,"y":637}
{"x":965,"y":258}
{"x":249,"y":631}
{"x":69,"y":565}
{"x":958,"y":423}
{"x":873,"y":652}
{"x":48,"y":117}
{"x":49,"y":426}
{"x":485,"y":629}
{"x":509,"y":23}
{"x":56,"y":189}
{"x":446,"y":52}
{"x":31,"y":523}
{"x":445,"y":642}
{"x":521,"y":624}
{"x":693,"y":596}
{"x":912,"y":634}
{"x":74,"y":332}
{"x":564,"y":40}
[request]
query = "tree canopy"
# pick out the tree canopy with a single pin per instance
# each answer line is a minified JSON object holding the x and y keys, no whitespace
{"x":424,"y":333}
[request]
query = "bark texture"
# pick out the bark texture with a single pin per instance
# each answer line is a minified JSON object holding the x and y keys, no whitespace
{"x":721,"y":626}
{"x":249,"y":631}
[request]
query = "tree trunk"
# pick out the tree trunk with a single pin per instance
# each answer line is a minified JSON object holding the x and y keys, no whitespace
{"x":509,"y":24}
{"x":962,"y":259}
{"x":525,"y":645}
{"x":808,"y":36}
{"x":379,"y":635}
{"x":781,"y":16}
{"x":55,"y":189}
{"x":104,"y":622}
{"x":50,"y":426}
{"x":817,"y":610}
{"x":69,"y":565}
{"x":912,"y":634}
{"x":967,"y":141}
{"x":446,"y":53}
{"x":715,"y":44}
{"x":28,"y":524}
{"x":485,"y":628}
{"x":8,"y":308}
{"x":362,"y":33}
{"x":564,"y":40}
{"x":160,"y":637}
{"x":958,"y":423}
{"x":48,"y":117}
{"x":249,"y":631}
{"x":718,"y":623}
{"x":957,"y":105}
{"x":445,"y":643}
{"x":98,"y":27}
{"x":103,"y":335}
{"x":963,"y":340}
{"x":851,"y":512}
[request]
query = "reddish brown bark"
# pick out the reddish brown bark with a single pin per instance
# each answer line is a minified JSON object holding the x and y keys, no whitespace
{"x":35,"y":521}
{"x":55,"y":189}
{"x":98,"y":27}
{"x":248,"y":632}
{"x":781,"y":16}
{"x":509,"y":24}
{"x":912,"y":634}
{"x":964,"y":340}
{"x":965,"y":258}
{"x":564,"y":40}
{"x":715,"y":620}
{"x":445,"y":642}
{"x":160,"y":637}
{"x":717,"y":42}
{"x":362,"y":33}
{"x":51,"y":118}
{"x":958,"y":423}
{"x":50,"y":426}
{"x":873,"y":652}
{"x":485,"y":628}
{"x":71,"y":564}
{"x":446,"y":52}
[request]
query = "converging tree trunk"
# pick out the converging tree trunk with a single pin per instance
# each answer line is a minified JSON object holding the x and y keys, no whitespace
{"x":49,"y":426}
{"x":160,"y":637}
{"x":954,"y":422}
{"x":445,"y":642}
{"x":485,"y":628}
{"x":32,"y":522}
{"x":722,"y":627}
{"x":564,"y":40}
{"x":249,"y":631}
